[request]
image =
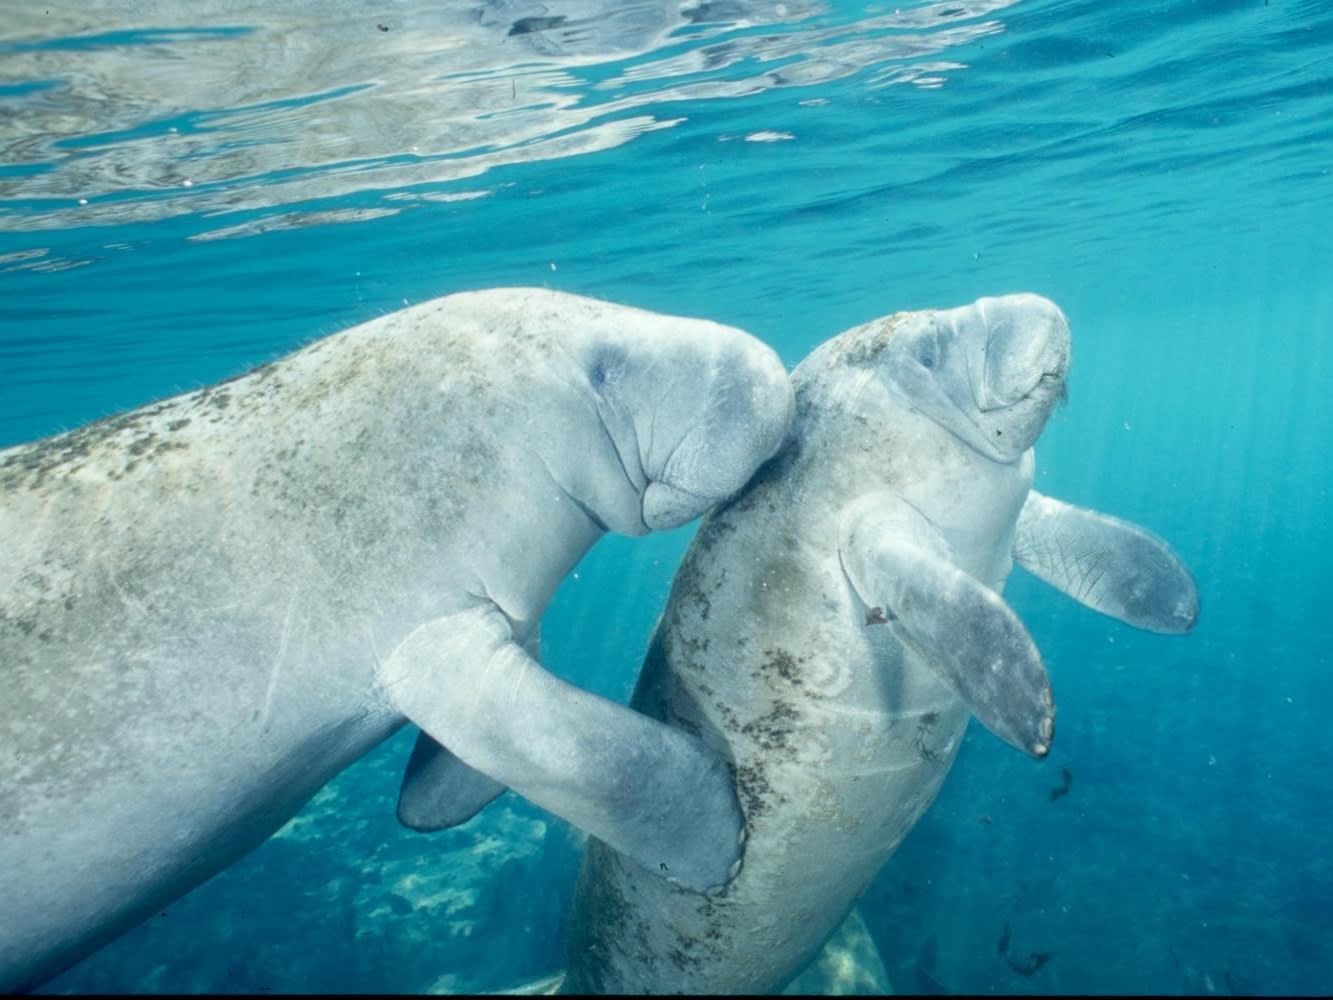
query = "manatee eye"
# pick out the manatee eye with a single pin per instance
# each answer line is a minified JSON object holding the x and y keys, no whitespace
{"x":927,"y":352}
{"x":605,"y":370}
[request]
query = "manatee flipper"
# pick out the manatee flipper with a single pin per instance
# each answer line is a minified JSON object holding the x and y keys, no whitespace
{"x":900,"y":566}
{"x":655,"y":794}
{"x":439,"y":791}
{"x":1107,"y":564}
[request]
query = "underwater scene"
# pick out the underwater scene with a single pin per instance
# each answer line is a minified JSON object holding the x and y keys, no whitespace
{"x":189,"y":191}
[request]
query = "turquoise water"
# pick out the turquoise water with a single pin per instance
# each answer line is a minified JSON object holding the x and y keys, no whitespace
{"x":185,"y":196}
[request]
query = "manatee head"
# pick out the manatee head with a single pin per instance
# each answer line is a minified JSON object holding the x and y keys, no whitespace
{"x":691,"y":407}
{"x":990,"y":372}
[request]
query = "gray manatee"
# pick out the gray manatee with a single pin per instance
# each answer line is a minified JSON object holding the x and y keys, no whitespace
{"x":831,"y":629}
{"x":211,"y":605}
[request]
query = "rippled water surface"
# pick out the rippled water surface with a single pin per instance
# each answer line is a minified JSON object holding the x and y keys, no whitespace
{"x":189,"y":189}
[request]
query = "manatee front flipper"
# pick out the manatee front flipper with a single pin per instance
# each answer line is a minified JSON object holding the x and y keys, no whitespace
{"x":655,"y":794}
{"x":1109,"y":565}
{"x":899,"y":566}
{"x":440,"y":791}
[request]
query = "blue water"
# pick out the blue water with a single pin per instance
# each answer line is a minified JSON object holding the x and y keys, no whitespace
{"x":184,"y":196}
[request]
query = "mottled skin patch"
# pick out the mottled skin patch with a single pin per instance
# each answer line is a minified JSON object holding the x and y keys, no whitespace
{"x":865,"y":348}
{"x":282,"y":476}
{"x":838,"y":737}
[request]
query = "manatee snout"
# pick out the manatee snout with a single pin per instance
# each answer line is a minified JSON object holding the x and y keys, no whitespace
{"x":740,"y":413}
{"x":1027,"y":347}
{"x":1014,"y":351}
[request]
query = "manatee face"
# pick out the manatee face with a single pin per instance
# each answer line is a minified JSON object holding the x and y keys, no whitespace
{"x":692,"y":419}
{"x":990,"y":372}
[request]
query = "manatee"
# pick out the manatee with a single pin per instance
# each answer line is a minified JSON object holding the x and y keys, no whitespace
{"x":211,"y":605}
{"x":830,"y":631}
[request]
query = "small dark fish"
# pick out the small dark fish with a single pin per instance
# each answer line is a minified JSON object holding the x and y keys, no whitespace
{"x":986,"y":819}
{"x":1035,"y":961}
{"x":527,"y":25}
{"x":382,"y":27}
{"x":1068,"y":777}
{"x":1024,"y":967}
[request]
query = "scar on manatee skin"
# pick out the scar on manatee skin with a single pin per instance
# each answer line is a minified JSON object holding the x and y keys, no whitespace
{"x":1068,"y":777}
{"x":922,"y":731}
{"x":879,"y":616}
